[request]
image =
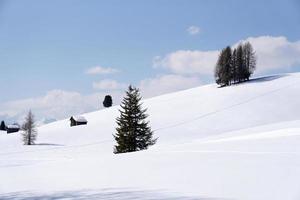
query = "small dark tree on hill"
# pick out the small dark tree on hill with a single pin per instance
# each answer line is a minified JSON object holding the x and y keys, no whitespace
{"x":133,"y":131}
{"x":2,"y":126}
{"x":29,"y":130}
{"x":107,"y":101}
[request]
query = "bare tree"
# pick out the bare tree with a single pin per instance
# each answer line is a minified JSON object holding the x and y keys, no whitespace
{"x":249,"y":59}
{"x":29,"y":131}
{"x":223,"y":69}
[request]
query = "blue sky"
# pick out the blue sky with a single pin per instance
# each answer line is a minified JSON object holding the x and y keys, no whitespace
{"x":49,"y":45}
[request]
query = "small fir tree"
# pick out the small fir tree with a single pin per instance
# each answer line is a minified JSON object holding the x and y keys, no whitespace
{"x":107,"y":101}
{"x":133,"y":131}
{"x":29,"y":131}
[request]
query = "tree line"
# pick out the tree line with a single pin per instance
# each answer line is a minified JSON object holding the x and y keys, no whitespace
{"x":235,"y":66}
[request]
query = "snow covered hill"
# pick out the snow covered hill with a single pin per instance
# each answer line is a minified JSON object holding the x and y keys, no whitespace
{"x":238,"y":142}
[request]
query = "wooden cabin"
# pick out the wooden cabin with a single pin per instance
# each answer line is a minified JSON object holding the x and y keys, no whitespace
{"x":78,"y":120}
{"x":12,"y":128}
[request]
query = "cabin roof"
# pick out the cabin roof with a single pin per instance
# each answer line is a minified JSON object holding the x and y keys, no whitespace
{"x":13,"y":126}
{"x":79,"y":118}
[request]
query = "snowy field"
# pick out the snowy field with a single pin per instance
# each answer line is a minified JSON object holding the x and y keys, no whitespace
{"x":239,"y":142}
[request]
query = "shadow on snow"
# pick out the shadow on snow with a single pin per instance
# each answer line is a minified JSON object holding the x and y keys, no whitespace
{"x":99,"y":195}
{"x":266,"y":78}
{"x":46,"y":144}
{"x":257,"y":80}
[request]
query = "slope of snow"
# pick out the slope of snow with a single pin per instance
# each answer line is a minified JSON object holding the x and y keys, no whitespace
{"x":238,"y":142}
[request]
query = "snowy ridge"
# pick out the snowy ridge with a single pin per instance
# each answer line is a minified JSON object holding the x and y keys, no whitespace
{"x":238,"y":142}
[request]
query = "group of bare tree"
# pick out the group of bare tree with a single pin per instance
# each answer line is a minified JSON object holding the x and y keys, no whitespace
{"x":235,"y":66}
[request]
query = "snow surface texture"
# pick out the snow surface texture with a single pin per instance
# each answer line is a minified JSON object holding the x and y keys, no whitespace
{"x":238,"y":142}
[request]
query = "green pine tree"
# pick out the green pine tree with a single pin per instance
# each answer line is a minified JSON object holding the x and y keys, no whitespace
{"x":133,"y":131}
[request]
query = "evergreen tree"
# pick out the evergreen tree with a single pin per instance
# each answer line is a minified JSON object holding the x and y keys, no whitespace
{"x":2,"y":126}
{"x":107,"y":101}
{"x":133,"y":131}
{"x":29,"y":129}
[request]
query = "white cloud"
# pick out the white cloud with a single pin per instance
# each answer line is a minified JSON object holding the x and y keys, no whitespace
{"x":108,"y":84}
{"x":188,"y":62}
{"x":272,"y":53}
{"x":166,"y":84}
{"x":193,"y":30}
{"x":275,"y":52}
{"x":60,"y":104}
{"x":101,"y":70}
{"x":56,"y":104}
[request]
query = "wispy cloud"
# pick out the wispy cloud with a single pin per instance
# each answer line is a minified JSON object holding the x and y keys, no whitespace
{"x":109,"y":84}
{"x":163,"y":84}
{"x":188,"y":62}
{"x":193,"y":30}
{"x":101,"y":70}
